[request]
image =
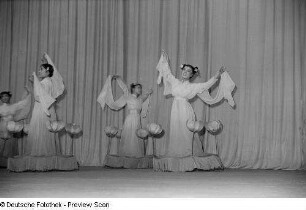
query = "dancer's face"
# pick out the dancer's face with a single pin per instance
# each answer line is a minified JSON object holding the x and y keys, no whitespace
{"x":187,"y":73}
{"x":138,"y":90}
{"x":5,"y":98}
{"x":42,"y":72}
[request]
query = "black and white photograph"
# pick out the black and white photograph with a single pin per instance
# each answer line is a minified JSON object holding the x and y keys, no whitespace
{"x":162,"y":104}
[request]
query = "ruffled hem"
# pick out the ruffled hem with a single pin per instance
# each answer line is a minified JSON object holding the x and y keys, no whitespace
{"x":3,"y":162}
{"x":42,"y":163}
{"x":129,"y":162}
{"x":190,"y":163}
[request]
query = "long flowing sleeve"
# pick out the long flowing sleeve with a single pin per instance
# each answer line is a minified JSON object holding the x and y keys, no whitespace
{"x":200,"y":87}
{"x":106,"y":95}
{"x":145,"y":107}
{"x":225,"y":90}
{"x":57,"y":80}
{"x":42,"y":92}
{"x":123,"y":86}
{"x":22,"y":108}
{"x":163,"y":67}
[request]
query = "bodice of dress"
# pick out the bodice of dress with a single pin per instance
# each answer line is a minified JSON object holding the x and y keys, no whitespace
{"x":189,"y":90}
{"x":43,"y":93}
{"x":183,"y":90}
{"x":179,"y":89}
{"x":133,"y":104}
{"x":46,"y":83}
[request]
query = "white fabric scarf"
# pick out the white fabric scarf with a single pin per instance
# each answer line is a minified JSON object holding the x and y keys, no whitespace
{"x":106,"y":97}
{"x":225,"y":90}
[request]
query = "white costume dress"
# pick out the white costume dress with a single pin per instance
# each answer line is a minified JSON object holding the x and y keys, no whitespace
{"x":42,"y":142}
{"x":130,"y":145}
{"x":184,"y":150}
{"x":42,"y":149}
{"x":131,"y":148}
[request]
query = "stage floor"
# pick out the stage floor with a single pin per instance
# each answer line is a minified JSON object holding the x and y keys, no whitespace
{"x":124,"y":183}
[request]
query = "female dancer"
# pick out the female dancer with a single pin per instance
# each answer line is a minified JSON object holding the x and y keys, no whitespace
{"x":183,"y":149}
{"x":42,"y":148}
{"x":131,"y":148}
{"x":11,"y":112}
{"x":42,"y":142}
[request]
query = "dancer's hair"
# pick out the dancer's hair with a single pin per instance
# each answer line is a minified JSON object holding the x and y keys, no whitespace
{"x":6,"y":93}
{"x":49,"y":68}
{"x":195,"y":69}
{"x":133,"y":85}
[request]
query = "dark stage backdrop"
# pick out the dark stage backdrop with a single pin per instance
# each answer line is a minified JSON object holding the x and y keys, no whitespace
{"x":261,"y":42}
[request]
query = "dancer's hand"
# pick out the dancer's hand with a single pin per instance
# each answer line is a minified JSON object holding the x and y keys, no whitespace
{"x":221,"y":71}
{"x":116,"y":76}
{"x":44,"y":58}
{"x":150,"y":91}
{"x":31,"y":78}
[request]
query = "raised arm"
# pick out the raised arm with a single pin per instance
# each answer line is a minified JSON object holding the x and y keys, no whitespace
{"x":121,"y":84}
{"x":57,"y":80}
{"x":163,"y":67}
{"x":47,"y":59}
{"x":24,"y":101}
{"x":146,"y":95}
{"x":200,"y":87}
{"x":165,"y":74}
{"x":106,"y":96}
{"x":23,"y":107}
